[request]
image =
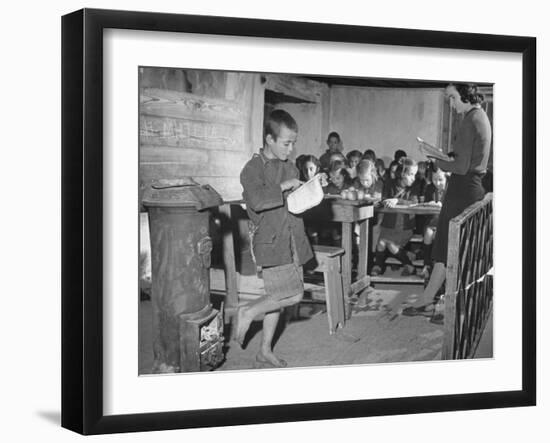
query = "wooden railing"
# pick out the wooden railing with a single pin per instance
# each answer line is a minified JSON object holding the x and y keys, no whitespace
{"x":469,"y":280}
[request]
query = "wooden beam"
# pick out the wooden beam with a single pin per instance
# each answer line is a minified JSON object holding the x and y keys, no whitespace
{"x":299,"y":88}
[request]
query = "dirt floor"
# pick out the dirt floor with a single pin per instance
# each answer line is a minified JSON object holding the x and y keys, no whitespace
{"x":376,"y":333}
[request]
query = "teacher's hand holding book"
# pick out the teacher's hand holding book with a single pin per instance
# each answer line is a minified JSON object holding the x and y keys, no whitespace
{"x":433,"y":152}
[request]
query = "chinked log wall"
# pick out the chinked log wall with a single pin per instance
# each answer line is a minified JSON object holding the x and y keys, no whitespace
{"x":203,"y":124}
{"x":207,"y":124}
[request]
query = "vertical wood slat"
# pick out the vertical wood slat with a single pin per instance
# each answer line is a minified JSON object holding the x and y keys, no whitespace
{"x":346,"y":259}
{"x":468,"y":300}
{"x":338,"y":298}
{"x":256,"y":117}
{"x":230,"y":270}
{"x":363,"y":248}
{"x":450,"y":296}
{"x":332,"y":315}
{"x":441,"y":134}
{"x":450,"y":125}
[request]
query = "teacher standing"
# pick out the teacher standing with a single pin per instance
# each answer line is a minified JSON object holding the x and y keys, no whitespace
{"x":471,"y":150}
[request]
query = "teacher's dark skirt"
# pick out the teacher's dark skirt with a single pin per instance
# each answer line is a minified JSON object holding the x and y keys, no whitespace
{"x":462,"y":191}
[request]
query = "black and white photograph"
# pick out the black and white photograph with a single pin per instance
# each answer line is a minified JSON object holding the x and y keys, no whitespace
{"x":275,"y":221}
{"x":293,"y":220}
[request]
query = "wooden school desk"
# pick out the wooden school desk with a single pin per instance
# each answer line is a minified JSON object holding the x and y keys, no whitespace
{"x":416,"y":209}
{"x":348,"y":212}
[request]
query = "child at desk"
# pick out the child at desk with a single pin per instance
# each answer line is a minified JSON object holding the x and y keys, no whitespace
{"x":397,"y":229}
{"x":353,"y":159}
{"x":434,"y":194}
{"x":381,"y":170}
{"x":339,"y":178}
{"x":367,"y":180}
{"x":309,"y":167}
{"x":334,"y":143}
{"x":369,"y":185}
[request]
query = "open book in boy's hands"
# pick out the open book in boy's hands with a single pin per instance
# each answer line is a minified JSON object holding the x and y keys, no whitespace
{"x":307,"y":196}
{"x":433,"y":152}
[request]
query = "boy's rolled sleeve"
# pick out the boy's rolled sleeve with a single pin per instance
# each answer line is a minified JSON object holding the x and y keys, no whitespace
{"x":258,"y":194}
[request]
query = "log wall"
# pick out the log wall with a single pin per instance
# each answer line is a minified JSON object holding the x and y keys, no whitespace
{"x":203,"y":124}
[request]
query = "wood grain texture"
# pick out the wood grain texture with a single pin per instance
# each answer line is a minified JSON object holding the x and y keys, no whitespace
{"x":165,"y":103}
{"x":300,"y":88}
{"x":363,"y":248}
{"x":230,"y":271}
{"x":164,"y":131}
{"x":196,"y":161}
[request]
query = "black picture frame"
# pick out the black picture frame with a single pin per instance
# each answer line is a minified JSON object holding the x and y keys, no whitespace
{"x":82,"y":219}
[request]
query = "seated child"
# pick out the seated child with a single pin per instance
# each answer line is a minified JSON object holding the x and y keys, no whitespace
{"x":397,"y":229}
{"x":430,"y":168}
{"x":367,"y":180}
{"x":369,"y":154}
{"x":337,"y":157}
{"x":420,"y":185}
{"x":433,"y":194}
{"x":420,"y":179}
{"x":390,"y":174}
{"x":380,"y":169}
{"x":310,"y":166}
{"x":372,"y":187}
{"x":300,"y":161}
{"x":353,"y":158}
{"x":339,"y":178}
{"x":334,"y":143}
{"x":399,"y":154}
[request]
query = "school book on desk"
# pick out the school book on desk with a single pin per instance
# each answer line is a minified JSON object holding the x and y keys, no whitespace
{"x":431,"y":151}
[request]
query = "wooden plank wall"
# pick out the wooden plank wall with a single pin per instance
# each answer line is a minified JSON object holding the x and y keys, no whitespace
{"x":203,"y":124}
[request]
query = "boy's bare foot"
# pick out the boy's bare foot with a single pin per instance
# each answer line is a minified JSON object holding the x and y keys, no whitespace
{"x":270,"y":360}
{"x":243,"y":323}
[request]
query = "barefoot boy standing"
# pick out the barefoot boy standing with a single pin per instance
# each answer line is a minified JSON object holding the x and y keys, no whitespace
{"x":279,"y":243}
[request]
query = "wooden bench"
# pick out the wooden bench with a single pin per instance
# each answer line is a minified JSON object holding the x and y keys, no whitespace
{"x":329,"y":262}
